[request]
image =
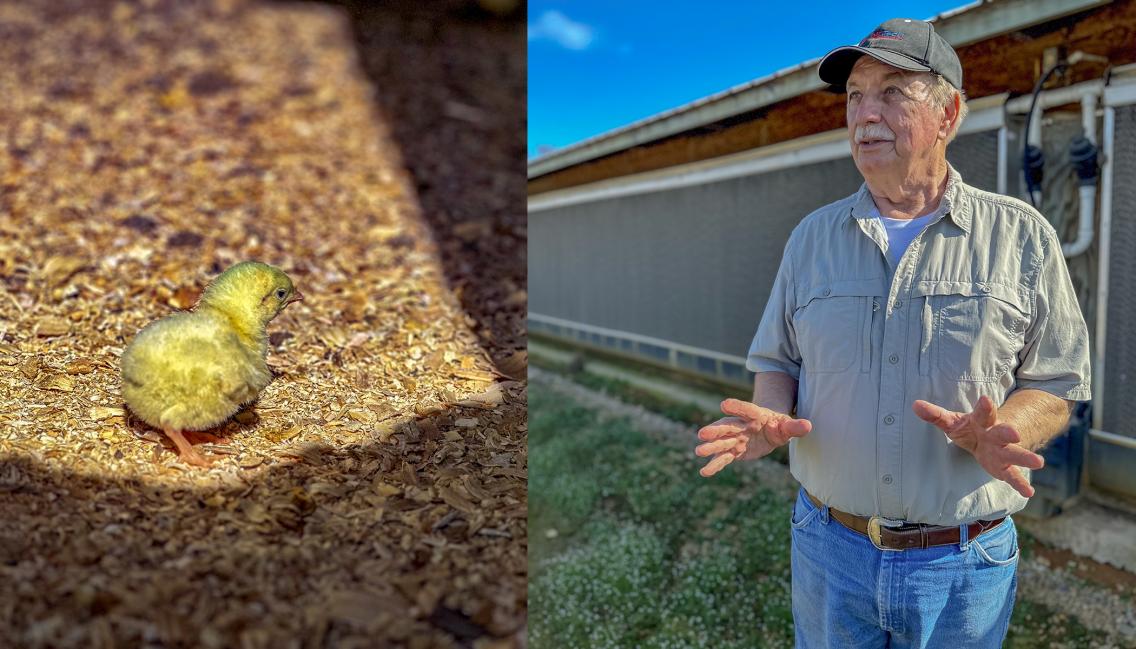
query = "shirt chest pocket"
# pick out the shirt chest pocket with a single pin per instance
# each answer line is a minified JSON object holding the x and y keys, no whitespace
{"x":834,"y":325}
{"x":971,"y":331}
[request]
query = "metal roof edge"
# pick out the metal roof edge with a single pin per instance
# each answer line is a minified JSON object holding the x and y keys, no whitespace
{"x":959,"y":26}
{"x":987,"y":113}
{"x":763,"y":91}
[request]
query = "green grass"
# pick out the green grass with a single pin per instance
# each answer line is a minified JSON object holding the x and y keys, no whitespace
{"x":682,"y":412}
{"x":630,"y":547}
{"x":646,"y":552}
{"x":1035,"y":625}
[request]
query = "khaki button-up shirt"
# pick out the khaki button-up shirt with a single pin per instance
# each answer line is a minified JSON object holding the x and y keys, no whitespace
{"x":980,"y":303}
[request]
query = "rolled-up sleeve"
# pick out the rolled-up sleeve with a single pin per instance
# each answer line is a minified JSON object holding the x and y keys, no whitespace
{"x":1055,"y":357}
{"x":774,"y":346}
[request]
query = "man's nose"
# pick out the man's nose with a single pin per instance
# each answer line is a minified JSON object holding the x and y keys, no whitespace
{"x":867,"y":112}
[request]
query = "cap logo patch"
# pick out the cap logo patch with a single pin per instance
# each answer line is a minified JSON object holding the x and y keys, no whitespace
{"x":882,"y":34}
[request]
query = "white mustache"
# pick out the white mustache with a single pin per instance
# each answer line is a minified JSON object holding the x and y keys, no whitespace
{"x":874,"y":132}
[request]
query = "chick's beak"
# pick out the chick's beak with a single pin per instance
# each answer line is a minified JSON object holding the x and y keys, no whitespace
{"x":296,"y":297}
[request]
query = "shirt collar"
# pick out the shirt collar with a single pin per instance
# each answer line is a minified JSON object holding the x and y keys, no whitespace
{"x":863,"y":207}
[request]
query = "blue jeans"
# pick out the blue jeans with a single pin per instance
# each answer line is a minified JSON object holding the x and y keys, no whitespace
{"x":848,"y":594}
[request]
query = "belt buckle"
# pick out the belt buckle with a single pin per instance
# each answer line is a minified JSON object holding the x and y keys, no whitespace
{"x":874,"y":524}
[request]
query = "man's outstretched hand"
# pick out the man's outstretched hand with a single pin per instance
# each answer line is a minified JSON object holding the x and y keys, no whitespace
{"x":994,"y":443}
{"x":749,"y":432}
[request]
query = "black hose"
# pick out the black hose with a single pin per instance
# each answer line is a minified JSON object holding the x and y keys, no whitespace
{"x":1032,"y":161}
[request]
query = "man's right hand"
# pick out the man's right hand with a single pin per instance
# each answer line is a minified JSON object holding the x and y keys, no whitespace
{"x":749,"y":432}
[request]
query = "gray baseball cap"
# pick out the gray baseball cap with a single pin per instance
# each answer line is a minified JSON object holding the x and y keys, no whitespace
{"x":900,"y":42}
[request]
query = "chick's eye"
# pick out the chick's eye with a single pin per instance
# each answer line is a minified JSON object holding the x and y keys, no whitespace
{"x":280,"y":293}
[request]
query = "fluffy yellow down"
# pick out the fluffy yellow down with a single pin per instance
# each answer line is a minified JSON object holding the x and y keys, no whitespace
{"x":193,"y":370}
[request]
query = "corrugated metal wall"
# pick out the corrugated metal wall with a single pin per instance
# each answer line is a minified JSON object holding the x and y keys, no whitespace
{"x":975,"y":156}
{"x":1061,"y":205}
{"x":693,"y":265}
{"x":1114,"y":467}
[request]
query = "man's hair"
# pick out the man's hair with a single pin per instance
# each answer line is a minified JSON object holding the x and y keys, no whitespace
{"x":942,"y":93}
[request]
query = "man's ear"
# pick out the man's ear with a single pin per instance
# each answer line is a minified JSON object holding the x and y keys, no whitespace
{"x":950,"y":117}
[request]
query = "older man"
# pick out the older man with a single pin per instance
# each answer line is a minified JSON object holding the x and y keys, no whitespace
{"x":929,"y":338}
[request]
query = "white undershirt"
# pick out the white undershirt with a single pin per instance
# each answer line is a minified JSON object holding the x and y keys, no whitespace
{"x":901,"y":232}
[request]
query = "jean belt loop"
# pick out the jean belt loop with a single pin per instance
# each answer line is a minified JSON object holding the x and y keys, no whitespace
{"x":964,"y":537}
{"x":824,"y":515}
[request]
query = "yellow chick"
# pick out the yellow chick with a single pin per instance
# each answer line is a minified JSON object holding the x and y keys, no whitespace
{"x":192,"y":370}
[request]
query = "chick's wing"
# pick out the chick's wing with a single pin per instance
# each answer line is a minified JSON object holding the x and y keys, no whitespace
{"x":194,"y":364}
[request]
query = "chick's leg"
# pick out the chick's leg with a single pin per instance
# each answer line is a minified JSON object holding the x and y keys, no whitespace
{"x":202,"y":437}
{"x":185,"y":449}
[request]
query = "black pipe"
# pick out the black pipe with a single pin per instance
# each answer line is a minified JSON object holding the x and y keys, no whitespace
{"x":1083,"y":156}
{"x":1033,"y":161}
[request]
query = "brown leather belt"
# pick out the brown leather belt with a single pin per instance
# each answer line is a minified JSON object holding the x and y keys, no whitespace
{"x":907,"y":536}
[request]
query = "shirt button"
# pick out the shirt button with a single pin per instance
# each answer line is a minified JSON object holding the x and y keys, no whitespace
{"x":894,"y":359}
{"x":886,"y":479}
{"x":898,"y":303}
{"x":827,"y":292}
{"x":984,"y":288}
{"x":889,"y":420}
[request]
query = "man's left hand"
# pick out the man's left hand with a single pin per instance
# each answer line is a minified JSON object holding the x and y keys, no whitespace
{"x":994,"y":443}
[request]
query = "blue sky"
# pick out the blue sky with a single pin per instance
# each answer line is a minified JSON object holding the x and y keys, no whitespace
{"x":594,"y":66}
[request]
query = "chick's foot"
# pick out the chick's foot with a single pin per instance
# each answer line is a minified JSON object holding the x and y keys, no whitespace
{"x":186,"y":451}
